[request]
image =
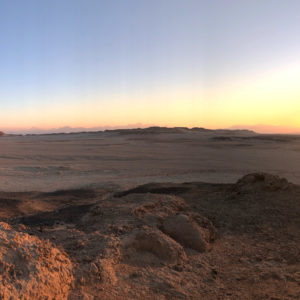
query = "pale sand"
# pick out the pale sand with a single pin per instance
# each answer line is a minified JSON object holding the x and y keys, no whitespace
{"x":51,"y":162}
{"x":156,"y":241}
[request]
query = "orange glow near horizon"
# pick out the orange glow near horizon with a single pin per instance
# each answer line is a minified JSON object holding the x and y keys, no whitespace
{"x":272,"y":98}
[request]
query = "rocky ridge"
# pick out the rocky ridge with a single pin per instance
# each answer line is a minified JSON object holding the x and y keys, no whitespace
{"x":157,"y":241}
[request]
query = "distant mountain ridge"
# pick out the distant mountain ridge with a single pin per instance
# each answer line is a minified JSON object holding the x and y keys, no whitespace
{"x":139,"y":130}
{"x":158,"y":130}
{"x":69,"y":129}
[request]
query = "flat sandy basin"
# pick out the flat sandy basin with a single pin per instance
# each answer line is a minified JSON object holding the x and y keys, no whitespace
{"x":62,"y":161}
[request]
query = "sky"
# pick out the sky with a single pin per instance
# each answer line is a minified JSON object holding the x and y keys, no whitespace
{"x":194,"y":63}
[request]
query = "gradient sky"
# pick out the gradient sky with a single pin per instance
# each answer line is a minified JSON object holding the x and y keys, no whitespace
{"x":189,"y":63}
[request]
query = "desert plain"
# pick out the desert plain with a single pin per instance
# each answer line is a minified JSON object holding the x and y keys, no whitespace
{"x":157,"y":213}
{"x":127,"y":158}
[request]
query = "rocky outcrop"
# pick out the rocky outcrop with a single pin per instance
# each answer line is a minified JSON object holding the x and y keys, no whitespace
{"x":262,"y":181}
{"x":185,"y":230}
{"x":31,"y":268}
{"x":152,"y":244}
{"x":155,"y":242}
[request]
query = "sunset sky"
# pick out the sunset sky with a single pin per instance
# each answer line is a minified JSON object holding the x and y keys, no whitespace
{"x":88,"y":63}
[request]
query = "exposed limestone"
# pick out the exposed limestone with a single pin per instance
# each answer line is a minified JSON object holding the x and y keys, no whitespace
{"x":152,"y":244}
{"x":155,"y":242}
{"x":30,"y":268}
{"x":185,"y":230}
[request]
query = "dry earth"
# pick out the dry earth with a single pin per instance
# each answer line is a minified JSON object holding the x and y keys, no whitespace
{"x":168,"y":240}
{"x":130,"y":157}
{"x":156,"y":241}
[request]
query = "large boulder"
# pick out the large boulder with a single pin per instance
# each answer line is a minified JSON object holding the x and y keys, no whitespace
{"x":150,"y":240}
{"x":192,"y":231}
{"x":31,"y":268}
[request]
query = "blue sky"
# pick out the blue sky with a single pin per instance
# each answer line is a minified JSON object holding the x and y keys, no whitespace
{"x":167,"y":62}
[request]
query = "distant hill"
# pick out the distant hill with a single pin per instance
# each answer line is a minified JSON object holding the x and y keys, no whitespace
{"x":2,"y":133}
{"x":136,"y":130}
{"x":150,"y":130}
{"x":160,"y":130}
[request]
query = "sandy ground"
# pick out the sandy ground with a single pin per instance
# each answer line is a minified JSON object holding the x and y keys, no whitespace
{"x":151,"y":215}
{"x":51,"y":162}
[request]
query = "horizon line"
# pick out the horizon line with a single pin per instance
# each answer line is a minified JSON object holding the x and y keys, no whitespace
{"x":259,"y":129}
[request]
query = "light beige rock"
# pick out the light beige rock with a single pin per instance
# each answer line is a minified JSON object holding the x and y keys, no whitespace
{"x":157,"y":243}
{"x":30,"y":268}
{"x":186,"y":231}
